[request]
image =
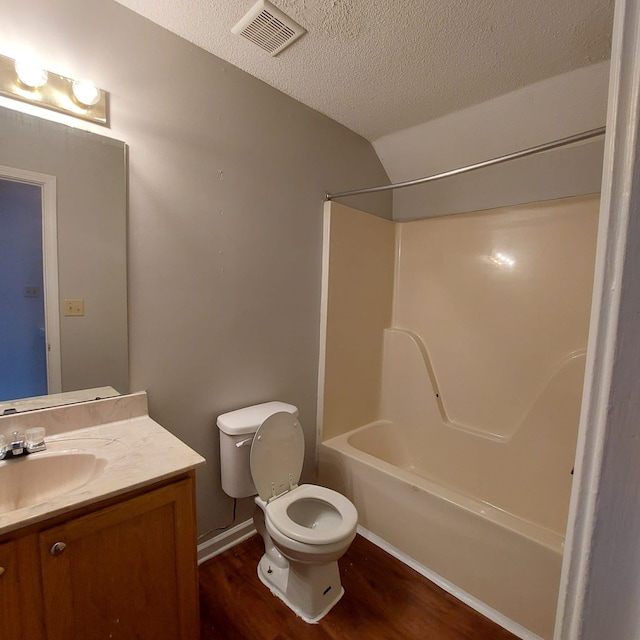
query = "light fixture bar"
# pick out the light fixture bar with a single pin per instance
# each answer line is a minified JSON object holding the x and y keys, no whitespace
{"x":56,"y":93}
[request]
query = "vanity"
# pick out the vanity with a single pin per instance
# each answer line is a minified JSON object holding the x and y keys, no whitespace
{"x":98,"y":532}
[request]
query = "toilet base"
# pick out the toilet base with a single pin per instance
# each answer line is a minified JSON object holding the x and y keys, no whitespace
{"x":310,"y":590}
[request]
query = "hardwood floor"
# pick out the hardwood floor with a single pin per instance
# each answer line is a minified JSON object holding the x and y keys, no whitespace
{"x":384,"y":599}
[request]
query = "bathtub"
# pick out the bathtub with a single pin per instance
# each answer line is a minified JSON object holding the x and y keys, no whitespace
{"x":450,"y":389}
{"x":507,"y":563}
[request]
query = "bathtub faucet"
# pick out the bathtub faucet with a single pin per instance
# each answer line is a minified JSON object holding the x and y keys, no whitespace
{"x":30,"y":442}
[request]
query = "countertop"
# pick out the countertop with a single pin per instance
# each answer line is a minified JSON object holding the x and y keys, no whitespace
{"x":131,"y":451}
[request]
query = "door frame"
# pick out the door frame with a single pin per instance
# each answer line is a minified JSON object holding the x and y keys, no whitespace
{"x":47,"y":183}
{"x":600,"y":582}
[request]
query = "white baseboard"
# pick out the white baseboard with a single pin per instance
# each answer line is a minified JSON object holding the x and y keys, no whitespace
{"x":226,"y":540}
{"x":479,"y":606}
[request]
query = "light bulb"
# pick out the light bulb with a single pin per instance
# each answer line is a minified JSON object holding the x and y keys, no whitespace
{"x":85,"y":92}
{"x":30,"y":74}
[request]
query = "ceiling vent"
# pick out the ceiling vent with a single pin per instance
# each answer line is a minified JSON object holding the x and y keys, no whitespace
{"x":268,"y":27}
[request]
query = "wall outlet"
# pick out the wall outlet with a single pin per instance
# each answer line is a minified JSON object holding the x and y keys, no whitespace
{"x":73,"y":308}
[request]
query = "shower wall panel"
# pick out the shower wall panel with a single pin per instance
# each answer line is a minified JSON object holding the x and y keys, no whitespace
{"x":357,"y":294}
{"x":500,"y":299}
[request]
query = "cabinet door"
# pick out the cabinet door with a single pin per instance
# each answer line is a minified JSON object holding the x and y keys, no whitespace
{"x":20,"y":600}
{"x":125,"y":572}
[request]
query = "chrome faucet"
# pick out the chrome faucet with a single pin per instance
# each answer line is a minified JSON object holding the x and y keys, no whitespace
{"x":19,"y":444}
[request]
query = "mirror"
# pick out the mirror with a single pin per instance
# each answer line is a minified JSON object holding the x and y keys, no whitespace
{"x":91,"y":224}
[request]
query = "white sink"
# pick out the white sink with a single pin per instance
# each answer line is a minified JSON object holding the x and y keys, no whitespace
{"x":33,"y":479}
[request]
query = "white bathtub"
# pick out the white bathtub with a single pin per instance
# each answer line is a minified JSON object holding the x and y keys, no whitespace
{"x":468,"y":379}
{"x":508,"y":563}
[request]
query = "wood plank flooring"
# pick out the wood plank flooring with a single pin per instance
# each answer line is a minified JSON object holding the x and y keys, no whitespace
{"x":384,"y":599}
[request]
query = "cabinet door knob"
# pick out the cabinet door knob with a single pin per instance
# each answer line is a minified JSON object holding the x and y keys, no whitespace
{"x":1,"y":570}
{"x":57,"y":548}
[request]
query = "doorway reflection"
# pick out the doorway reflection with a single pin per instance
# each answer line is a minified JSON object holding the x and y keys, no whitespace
{"x":23,"y":358}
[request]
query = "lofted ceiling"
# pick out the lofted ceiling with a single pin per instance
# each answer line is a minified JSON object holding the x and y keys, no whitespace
{"x":379,"y":66}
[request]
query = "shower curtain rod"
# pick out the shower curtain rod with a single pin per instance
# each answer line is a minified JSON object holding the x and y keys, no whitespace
{"x":547,"y":146}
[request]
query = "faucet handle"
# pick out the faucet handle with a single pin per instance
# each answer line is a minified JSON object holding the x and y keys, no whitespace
{"x":3,"y":451}
{"x":34,"y":439}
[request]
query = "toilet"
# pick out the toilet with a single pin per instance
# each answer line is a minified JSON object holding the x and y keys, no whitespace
{"x":305,"y":528}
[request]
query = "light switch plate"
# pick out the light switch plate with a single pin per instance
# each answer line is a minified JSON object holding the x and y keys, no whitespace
{"x":73,"y":307}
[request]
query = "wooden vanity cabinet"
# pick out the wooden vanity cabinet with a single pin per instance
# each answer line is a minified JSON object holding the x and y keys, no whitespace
{"x":124,"y":571}
{"x":20,"y":597}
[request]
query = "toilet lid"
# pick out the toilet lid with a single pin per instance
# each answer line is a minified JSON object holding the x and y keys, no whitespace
{"x":277,"y":455}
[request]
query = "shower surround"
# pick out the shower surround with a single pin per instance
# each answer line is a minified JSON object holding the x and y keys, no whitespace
{"x":450,"y":387}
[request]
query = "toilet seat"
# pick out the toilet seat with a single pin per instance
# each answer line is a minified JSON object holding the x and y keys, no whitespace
{"x":342,"y":514}
{"x":277,"y":455}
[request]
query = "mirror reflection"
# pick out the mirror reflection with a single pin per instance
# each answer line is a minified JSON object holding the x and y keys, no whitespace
{"x":63,"y":321}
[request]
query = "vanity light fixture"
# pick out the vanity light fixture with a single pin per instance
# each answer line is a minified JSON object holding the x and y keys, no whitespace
{"x":25,"y":81}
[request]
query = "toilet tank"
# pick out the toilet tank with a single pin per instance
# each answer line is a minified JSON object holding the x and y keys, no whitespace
{"x":237,"y":429}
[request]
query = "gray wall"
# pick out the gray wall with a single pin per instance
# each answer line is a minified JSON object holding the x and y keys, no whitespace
{"x":227,"y":178}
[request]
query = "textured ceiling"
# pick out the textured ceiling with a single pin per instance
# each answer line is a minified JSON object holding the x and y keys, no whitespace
{"x":378,"y":66}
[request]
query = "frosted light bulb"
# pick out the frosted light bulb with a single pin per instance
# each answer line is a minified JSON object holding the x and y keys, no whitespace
{"x":30,"y":74}
{"x":85,"y":92}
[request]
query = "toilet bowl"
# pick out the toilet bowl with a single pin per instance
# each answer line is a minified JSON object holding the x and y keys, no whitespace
{"x":305,"y":528}
{"x":311,"y":523}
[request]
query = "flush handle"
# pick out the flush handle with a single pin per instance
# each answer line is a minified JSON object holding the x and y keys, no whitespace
{"x":244,"y":443}
{"x":57,"y":548}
